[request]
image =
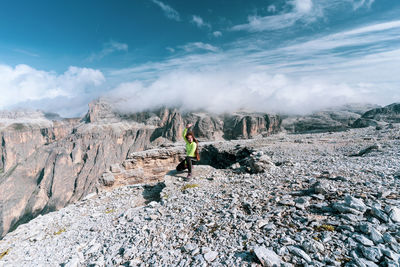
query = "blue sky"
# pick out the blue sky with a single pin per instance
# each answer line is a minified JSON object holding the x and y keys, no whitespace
{"x":291,"y":56}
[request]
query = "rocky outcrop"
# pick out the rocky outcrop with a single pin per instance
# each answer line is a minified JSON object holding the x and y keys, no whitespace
{"x":100,"y":111}
{"x":245,"y":125}
{"x":377,"y":116}
{"x":48,"y":164}
{"x":144,"y":166}
{"x":330,"y":120}
{"x":327,"y":121}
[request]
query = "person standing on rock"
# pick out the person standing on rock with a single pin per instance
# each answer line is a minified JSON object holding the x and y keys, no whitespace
{"x":192,"y":152}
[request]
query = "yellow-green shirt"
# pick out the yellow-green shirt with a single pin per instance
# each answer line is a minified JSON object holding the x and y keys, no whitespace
{"x":190,"y":147}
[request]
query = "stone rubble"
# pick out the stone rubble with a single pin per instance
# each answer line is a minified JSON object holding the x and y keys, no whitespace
{"x":310,"y":204}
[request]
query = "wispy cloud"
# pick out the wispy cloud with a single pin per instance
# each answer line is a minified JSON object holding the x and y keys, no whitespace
{"x":374,"y":28}
{"x":300,"y":10}
{"x":190,"y":47}
{"x":217,"y":34}
{"x":170,"y":49}
{"x":25,"y":52}
{"x":256,"y":23}
{"x":199,"y":22}
{"x":108,"y":48}
{"x":362,"y":3}
{"x":168,"y":10}
{"x":296,"y":11}
{"x":365,"y":40}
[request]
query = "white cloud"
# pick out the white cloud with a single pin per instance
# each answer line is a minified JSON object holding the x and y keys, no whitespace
{"x":23,"y":84}
{"x":168,"y":11}
{"x":190,"y":47}
{"x":108,"y":48}
{"x":199,"y":22}
{"x":217,"y":34}
{"x":231,"y":90}
{"x":303,"y":6}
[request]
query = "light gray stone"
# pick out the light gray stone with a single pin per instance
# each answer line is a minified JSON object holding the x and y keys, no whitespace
{"x":380,"y":214}
{"x":108,"y":179}
{"x":300,"y":253}
{"x":372,"y":253}
{"x":395,"y":214}
{"x":73,"y":262}
{"x":376,"y":236}
{"x":355,"y":203}
{"x":390,"y":254}
{"x":388,"y":238}
{"x":267,"y":257}
{"x":210,"y":256}
{"x":363,"y":240}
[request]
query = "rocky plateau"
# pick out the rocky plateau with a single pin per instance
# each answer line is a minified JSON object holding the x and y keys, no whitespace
{"x":322,"y":199}
{"x":102,"y":191}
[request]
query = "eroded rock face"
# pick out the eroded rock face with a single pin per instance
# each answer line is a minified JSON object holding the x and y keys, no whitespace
{"x":373,"y":117}
{"x":47,"y":164}
{"x":144,"y":166}
{"x":330,"y":120}
{"x":100,"y":110}
{"x":249,"y":125}
{"x":19,"y":141}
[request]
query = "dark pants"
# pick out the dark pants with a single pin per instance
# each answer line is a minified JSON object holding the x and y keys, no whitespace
{"x":186,"y":164}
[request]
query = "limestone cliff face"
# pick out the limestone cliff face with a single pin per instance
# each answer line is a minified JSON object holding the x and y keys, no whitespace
{"x":18,"y":141}
{"x":45,"y":166}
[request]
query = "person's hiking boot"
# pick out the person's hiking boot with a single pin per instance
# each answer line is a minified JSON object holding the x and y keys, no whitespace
{"x":189,"y":176}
